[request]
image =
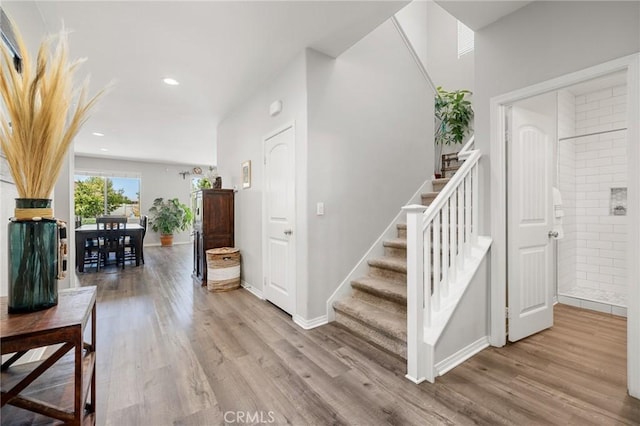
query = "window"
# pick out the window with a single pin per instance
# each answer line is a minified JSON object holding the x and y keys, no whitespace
{"x":97,"y":194}
{"x":465,"y":39}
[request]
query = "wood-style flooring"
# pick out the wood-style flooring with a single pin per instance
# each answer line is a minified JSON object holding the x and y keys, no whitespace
{"x":171,"y":353}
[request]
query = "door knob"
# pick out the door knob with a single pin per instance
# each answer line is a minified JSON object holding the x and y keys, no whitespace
{"x":553,"y":234}
{"x":288,"y":231}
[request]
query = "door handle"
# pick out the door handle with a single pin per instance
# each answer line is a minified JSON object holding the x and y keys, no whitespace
{"x":288,"y":231}
{"x":553,"y":234}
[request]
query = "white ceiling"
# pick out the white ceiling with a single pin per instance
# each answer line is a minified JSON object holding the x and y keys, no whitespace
{"x":220,"y":52}
{"x":477,"y":14}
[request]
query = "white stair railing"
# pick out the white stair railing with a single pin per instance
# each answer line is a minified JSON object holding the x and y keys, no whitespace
{"x":439,"y":242}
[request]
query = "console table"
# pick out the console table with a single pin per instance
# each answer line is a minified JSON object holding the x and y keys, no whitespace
{"x":63,"y":325}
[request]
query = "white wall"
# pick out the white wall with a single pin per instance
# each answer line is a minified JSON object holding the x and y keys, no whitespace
{"x":469,"y":322}
{"x":370,"y":148}
{"x":541,"y":41}
{"x":443,"y":64}
{"x":157,"y":180}
{"x":367,"y":152}
{"x":240,"y":138}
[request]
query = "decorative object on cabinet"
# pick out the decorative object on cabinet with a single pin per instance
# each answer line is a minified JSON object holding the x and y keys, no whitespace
{"x":169,"y":216}
{"x":213,"y":227}
{"x":246,"y":174}
{"x":42,"y":113}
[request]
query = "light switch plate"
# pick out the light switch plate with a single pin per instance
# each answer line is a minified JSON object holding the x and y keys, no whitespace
{"x":320,"y":209}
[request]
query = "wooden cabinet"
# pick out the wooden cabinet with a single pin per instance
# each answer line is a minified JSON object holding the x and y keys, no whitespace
{"x":213,"y":227}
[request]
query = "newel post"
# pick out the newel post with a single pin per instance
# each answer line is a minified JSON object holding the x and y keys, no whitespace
{"x":415,"y":293}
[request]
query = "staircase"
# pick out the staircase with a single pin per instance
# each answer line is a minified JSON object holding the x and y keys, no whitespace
{"x":377,"y":307}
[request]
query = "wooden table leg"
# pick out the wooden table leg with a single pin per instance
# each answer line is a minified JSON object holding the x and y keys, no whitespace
{"x":77,"y":397}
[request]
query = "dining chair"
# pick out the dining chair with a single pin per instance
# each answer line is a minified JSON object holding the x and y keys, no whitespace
{"x":131,"y":243}
{"x":111,"y":234}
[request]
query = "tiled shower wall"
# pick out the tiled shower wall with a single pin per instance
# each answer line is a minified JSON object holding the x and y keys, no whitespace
{"x":566,"y":183}
{"x":600,"y":163}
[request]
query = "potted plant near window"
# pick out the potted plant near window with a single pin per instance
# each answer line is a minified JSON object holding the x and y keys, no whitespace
{"x":169,"y":216}
{"x":453,"y":114}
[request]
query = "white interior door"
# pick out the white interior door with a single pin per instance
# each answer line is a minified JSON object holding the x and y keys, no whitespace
{"x":529,"y":252}
{"x":280,"y":218}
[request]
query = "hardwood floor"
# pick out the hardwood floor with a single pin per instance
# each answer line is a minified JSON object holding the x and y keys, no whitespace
{"x":169,"y":352}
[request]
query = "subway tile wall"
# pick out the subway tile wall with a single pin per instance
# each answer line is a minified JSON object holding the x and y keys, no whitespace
{"x":566,"y":183}
{"x":599,"y":164}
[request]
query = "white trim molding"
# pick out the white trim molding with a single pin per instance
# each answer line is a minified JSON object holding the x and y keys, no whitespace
{"x":461,"y":356}
{"x":630,"y":64}
{"x":312,"y":323}
{"x":414,"y":54}
{"x":251,"y":289}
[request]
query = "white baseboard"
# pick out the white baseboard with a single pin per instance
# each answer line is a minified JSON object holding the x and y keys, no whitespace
{"x":256,"y":292}
{"x":462,"y":355}
{"x":312,"y":323}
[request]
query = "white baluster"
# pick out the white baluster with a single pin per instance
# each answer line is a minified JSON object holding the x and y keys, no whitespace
{"x":428,"y":262}
{"x":460,"y":224}
{"x":436,"y":264}
{"x":453,"y":212}
{"x":445,"y":250}
{"x":467,"y":215}
{"x":474,"y":204}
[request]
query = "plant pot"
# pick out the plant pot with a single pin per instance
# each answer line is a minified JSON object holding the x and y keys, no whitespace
{"x":166,"y":240}
{"x":33,"y":256}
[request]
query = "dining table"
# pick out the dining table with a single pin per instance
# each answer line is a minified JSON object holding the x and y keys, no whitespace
{"x":90,"y":231}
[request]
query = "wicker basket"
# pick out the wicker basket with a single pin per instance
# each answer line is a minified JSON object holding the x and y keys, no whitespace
{"x":223,"y":269}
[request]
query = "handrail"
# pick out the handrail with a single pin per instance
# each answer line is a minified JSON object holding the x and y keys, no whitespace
{"x":466,"y":149}
{"x":414,"y":54}
{"x":450,"y":187}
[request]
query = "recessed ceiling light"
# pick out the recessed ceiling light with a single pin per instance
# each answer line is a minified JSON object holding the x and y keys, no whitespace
{"x":97,"y":134}
{"x":171,"y":81}
{"x":104,"y":149}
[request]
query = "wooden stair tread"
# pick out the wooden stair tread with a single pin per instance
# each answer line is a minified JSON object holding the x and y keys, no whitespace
{"x":385,"y":289}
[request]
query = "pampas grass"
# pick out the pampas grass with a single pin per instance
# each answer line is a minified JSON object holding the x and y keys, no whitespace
{"x":44,"y":113}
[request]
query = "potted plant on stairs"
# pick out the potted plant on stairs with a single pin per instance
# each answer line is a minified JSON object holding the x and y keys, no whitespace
{"x":169,"y":216}
{"x":453,"y":114}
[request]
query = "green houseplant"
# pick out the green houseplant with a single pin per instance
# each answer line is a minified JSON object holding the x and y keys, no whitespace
{"x":169,"y":216}
{"x":453,"y":114}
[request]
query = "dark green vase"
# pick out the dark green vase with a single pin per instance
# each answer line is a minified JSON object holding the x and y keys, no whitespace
{"x":33,"y":260}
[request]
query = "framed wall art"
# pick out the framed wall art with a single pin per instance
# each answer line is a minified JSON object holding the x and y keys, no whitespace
{"x":246,"y":174}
